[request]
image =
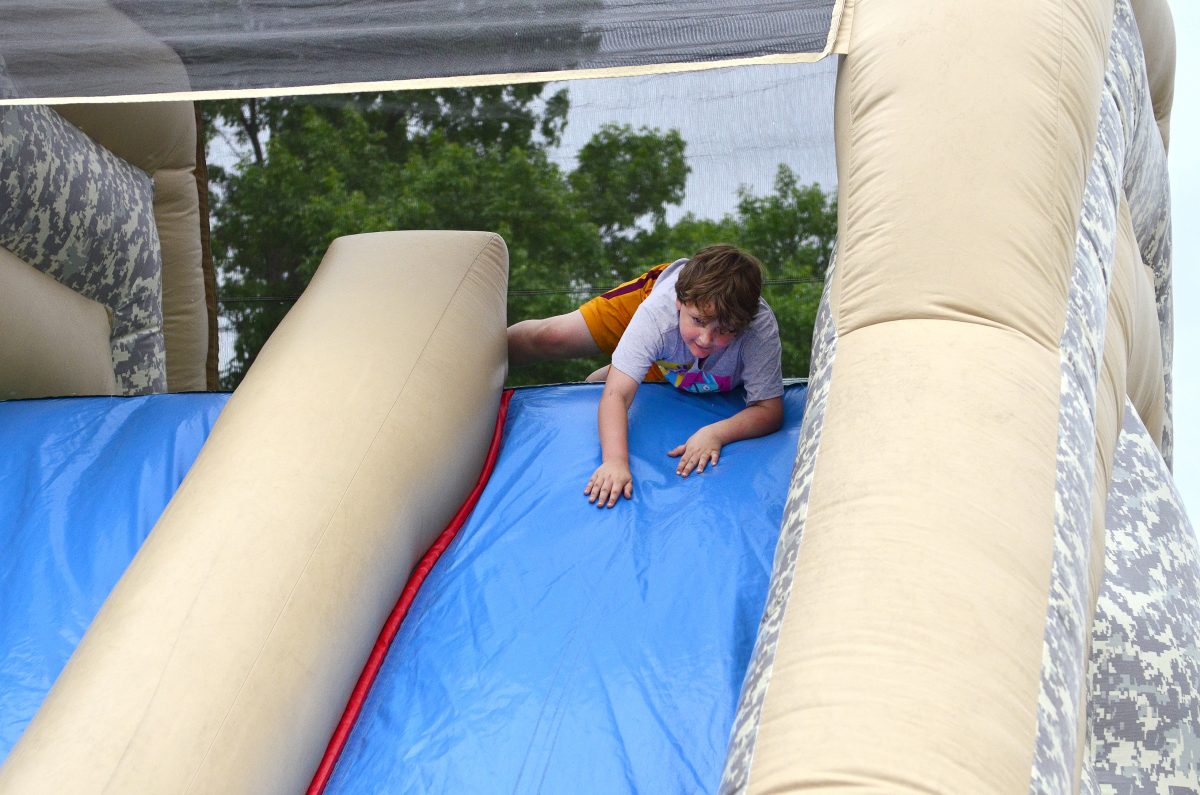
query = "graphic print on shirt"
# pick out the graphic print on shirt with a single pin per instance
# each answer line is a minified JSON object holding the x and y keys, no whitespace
{"x":683,"y":377}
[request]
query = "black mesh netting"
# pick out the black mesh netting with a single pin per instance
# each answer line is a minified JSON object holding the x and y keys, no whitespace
{"x":93,"y":48}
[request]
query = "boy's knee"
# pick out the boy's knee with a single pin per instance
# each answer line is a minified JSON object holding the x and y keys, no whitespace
{"x":560,"y":337}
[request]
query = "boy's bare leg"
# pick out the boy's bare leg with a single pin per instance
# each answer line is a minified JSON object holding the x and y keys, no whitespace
{"x":599,"y":375}
{"x":559,"y":337}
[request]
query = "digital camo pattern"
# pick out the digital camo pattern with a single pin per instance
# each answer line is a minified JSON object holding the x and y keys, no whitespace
{"x":79,"y":213}
{"x":1146,"y":182}
{"x":746,"y":722}
{"x":1081,"y":348}
{"x":1144,"y":706}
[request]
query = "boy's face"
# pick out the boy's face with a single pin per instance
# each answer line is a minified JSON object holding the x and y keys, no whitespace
{"x":701,"y":331}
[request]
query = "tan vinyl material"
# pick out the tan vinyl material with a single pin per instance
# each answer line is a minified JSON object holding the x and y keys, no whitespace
{"x":1129,"y":305}
{"x":1131,"y":365}
{"x":1157,"y":30}
{"x":160,"y":139}
{"x":150,"y":135}
{"x":185,"y":309}
{"x":53,"y":341}
{"x":1133,"y":315}
{"x":913,"y":640}
{"x":844,"y":23}
{"x":913,"y":634}
{"x":222,"y":660}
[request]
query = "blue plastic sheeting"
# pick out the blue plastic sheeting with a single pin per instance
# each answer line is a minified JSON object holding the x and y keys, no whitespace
{"x":82,"y":482}
{"x":559,"y":647}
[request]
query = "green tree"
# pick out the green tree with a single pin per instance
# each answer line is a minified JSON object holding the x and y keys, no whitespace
{"x":626,"y":176}
{"x":312,"y":170}
{"x":450,"y":159}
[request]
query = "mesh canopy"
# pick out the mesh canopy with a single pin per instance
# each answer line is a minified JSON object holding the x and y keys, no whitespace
{"x":740,"y":127}
{"x":87,"y":48}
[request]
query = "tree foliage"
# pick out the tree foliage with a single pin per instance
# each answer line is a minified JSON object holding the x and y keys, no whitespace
{"x":312,"y":170}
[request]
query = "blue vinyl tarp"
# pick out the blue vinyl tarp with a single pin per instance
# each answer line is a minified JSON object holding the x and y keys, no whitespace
{"x":555,"y":647}
{"x":559,"y":647}
{"x":82,"y":482}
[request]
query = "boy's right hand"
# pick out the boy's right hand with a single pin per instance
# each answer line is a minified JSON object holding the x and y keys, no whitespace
{"x":608,"y":483}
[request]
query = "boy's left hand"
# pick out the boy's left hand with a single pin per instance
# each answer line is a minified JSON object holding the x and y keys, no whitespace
{"x":703,"y":447}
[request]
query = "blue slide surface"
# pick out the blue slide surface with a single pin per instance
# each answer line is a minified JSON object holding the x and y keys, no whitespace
{"x":559,"y":647}
{"x":82,"y":482}
{"x":555,"y":647}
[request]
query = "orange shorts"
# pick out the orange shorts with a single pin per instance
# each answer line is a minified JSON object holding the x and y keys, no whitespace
{"x":608,"y":315}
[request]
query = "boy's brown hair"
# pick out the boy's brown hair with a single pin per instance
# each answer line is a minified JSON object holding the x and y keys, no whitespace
{"x":726,"y":279}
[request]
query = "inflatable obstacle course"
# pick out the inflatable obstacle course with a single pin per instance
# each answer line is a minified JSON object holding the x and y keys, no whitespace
{"x":982,"y":569}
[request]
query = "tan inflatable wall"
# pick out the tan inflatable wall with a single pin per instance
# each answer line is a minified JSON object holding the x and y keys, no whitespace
{"x":1157,"y":31}
{"x":160,"y":139}
{"x":223,"y":659}
{"x":998,"y":292}
{"x":53,"y":341}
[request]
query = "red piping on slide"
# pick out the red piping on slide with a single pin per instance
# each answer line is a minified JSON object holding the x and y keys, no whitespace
{"x":359,"y":695}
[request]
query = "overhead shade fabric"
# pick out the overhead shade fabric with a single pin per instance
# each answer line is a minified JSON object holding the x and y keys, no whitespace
{"x":89,"y":48}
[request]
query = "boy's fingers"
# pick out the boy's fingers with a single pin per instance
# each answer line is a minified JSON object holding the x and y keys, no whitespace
{"x":678,"y":451}
{"x":629,"y":490}
{"x":692,"y":461}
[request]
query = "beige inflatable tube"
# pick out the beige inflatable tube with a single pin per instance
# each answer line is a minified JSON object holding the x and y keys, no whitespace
{"x":222,"y":660}
{"x":53,"y":341}
{"x":927,"y":625}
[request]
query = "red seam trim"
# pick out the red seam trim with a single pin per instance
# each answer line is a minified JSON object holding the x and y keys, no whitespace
{"x":392,"y":626}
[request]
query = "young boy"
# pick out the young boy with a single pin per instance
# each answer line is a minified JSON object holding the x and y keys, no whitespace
{"x":700,"y":324}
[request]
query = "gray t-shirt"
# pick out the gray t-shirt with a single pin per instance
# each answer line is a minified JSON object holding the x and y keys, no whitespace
{"x":652,"y":339}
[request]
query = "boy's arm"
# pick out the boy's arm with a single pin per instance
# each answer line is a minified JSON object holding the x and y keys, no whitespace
{"x":757,"y":419}
{"x":613,"y":478}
